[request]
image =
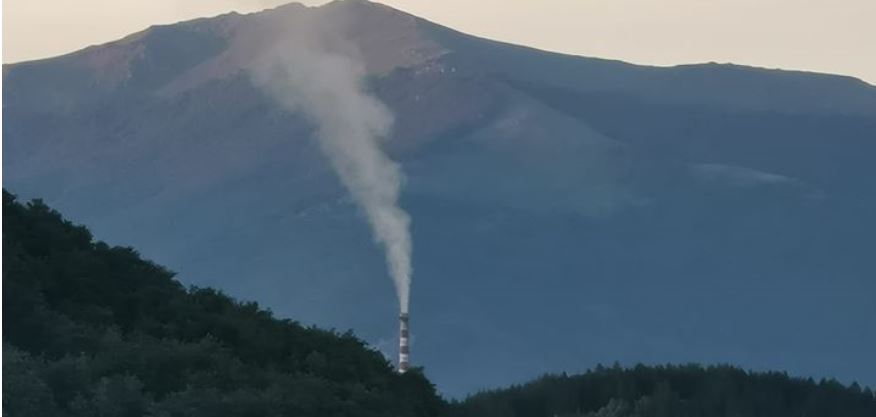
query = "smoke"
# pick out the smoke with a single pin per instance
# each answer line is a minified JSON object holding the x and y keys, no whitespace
{"x":320,"y":78}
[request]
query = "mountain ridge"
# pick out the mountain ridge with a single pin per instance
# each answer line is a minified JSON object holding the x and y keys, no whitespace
{"x":357,"y":3}
{"x":339,"y":10}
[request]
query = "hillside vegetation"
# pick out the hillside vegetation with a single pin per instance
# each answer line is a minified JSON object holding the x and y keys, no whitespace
{"x":94,"y":330}
{"x":672,"y":391}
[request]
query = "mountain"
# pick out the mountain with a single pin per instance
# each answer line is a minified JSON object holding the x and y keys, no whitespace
{"x":93,"y":330}
{"x":566,"y":210}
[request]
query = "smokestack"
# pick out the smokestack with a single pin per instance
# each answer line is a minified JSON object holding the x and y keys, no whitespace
{"x":403,"y":349}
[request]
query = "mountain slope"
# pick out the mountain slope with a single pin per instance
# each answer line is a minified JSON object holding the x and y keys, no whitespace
{"x":90,"y":329}
{"x":606,"y":199}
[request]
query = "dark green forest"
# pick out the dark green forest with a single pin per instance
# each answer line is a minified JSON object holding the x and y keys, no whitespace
{"x":672,"y":391}
{"x":94,"y":330}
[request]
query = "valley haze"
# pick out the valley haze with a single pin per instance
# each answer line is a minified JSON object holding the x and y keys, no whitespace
{"x":591,"y":203}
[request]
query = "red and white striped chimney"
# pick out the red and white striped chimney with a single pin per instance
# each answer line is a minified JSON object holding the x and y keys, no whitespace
{"x":403,"y":349}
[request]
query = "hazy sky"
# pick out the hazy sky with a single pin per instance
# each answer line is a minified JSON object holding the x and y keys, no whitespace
{"x":837,"y":36}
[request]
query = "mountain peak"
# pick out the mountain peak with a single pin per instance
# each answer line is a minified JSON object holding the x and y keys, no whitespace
{"x":381,"y":37}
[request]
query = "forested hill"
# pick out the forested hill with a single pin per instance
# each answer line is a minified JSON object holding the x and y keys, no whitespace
{"x":94,"y":330}
{"x":672,"y":391}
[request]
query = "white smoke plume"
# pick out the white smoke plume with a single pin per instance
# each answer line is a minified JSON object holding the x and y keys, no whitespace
{"x":326,"y":84}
